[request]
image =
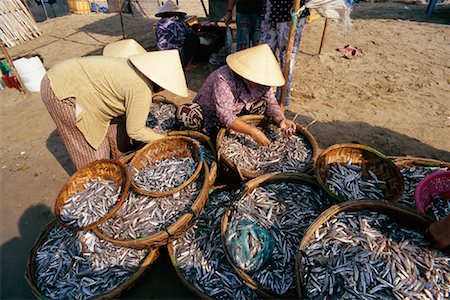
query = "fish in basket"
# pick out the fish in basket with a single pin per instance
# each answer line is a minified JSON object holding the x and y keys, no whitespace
{"x":162,"y":116}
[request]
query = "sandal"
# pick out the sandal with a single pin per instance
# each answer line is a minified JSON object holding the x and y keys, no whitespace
{"x":353,"y":54}
{"x":346,"y":48}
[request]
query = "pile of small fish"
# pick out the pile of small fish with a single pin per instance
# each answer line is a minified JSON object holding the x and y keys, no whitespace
{"x":79,"y":265}
{"x":201,"y":259}
{"x":162,"y":117}
{"x":440,"y":207}
{"x":165,"y":174}
{"x":412,"y":176}
{"x":364,"y":255}
{"x":347,"y":181}
{"x":284,"y":154}
{"x":142,"y":215}
{"x":286,"y":210}
{"x":91,"y":204}
{"x":208,"y":155}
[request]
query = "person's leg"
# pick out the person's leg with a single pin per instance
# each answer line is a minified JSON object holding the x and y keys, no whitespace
{"x":255,"y":29}
{"x":243,"y":23}
{"x":118,"y":139}
{"x":268,"y":34}
{"x":190,"y":48}
{"x":63,"y":114}
{"x":283,"y":30}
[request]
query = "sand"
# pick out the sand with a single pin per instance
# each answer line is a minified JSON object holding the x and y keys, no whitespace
{"x":395,"y":98}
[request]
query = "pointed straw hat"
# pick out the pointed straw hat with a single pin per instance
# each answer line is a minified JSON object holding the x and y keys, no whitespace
{"x":257,"y":64}
{"x":169,"y":7}
{"x":123,"y":48}
{"x":164,"y":68}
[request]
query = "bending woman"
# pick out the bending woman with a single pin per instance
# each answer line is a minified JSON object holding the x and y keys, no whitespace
{"x":99,"y":102}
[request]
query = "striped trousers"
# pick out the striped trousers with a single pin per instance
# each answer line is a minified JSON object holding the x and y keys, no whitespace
{"x":62,"y":111}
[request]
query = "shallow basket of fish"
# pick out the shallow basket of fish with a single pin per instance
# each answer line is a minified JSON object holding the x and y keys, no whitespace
{"x":64,"y":264}
{"x":144,"y":221}
{"x":353,"y":172}
{"x":198,"y":256}
{"x":162,"y":115}
{"x":92,"y":195}
{"x":242,"y":154}
{"x":208,"y":150}
{"x":263,"y":227}
{"x":166,"y":166}
{"x":370,"y":249}
{"x":414,"y":169}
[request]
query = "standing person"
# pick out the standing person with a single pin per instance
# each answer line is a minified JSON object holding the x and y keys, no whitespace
{"x":87,"y":98}
{"x":173,"y":32}
{"x":241,"y":87}
{"x":275,"y":28}
{"x":248,"y":21}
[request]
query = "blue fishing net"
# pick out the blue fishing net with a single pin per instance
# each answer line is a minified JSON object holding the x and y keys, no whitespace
{"x":249,"y":245}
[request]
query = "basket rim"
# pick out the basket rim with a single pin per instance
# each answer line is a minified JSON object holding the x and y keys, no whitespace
{"x":420,"y":203}
{"x":374,"y":205}
{"x":403,"y":161}
{"x":145,"y":150}
{"x":247,"y":174}
{"x":30,"y":276}
{"x":163,"y":236}
{"x":269,"y":178}
{"x":61,"y":200}
{"x":322,"y":181}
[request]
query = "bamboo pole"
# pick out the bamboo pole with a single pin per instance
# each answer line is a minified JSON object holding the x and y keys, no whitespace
{"x":287,"y":61}
{"x":8,"y":59}
{"x":324,"y":36}
{"x":119,"y":2}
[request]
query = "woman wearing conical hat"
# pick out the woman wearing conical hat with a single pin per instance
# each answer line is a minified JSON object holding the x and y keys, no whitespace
{"x":88,"y":96}
{"x":242,"y":86}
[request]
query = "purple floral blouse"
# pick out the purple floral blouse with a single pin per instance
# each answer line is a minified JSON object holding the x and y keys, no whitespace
{"x":225,"y":94}
{"x":171,"y":33}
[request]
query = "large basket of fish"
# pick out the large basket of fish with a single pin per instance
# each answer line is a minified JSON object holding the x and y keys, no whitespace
{"x":66,"y":264}
{"x":92,"y":195}
{"x":415,"y":169}
{"x":370,"y":249}
{"x":353,"y":172}
{"x":207,"y":148}
{"x":166,"y":166}
{"x":239,"y":152}
{"x":162,"y":115}
{"x":263,"y":227}
{"x":199,"y":259}
{"x":144,"y":221}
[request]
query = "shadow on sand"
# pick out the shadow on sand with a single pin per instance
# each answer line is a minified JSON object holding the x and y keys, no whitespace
{"x":57,"y":148}
{"x":15,"y":252}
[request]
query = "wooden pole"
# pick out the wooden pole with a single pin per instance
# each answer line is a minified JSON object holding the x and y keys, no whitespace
{"x":121,"y":17}
{"x":324,"y":36}
{"x":25,"y":2}
{"x":204,"y":8}
{"x":287,"y":61}
{"x":8,"y":59}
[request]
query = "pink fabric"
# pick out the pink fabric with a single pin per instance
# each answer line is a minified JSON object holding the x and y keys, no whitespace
{"x":224,"y":94}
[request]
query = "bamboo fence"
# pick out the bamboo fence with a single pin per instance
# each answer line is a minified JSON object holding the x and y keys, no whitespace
{"x":17,"y":25}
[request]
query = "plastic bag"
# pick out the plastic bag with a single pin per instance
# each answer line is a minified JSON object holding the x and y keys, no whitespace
{"x":249,"y":245}
{"x":331,"y":9}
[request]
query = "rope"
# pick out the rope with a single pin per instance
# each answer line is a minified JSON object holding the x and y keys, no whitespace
{"x":310,"y":123}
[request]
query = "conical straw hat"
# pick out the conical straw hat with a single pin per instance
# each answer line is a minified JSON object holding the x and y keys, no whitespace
{"x":169,"y":7}
{"x":257,"y":64}
{"x":123,"y":48}
{"x":164,"y":68}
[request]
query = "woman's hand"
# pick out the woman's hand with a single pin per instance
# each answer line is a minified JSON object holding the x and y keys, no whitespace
{"x":260,"y":138}
{"x":228,"y":18}
{"x":287,"y":126}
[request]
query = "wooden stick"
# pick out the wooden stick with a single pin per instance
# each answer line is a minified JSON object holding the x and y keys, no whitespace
{"x":8,"y":59}
{"x":204,"y":8}
{"x":324,"y":36}
{"x":121,"y":18}
{"x":287,"y":61}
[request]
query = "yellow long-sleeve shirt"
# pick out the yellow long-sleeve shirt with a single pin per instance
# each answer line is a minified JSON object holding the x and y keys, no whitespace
{"x":104,"y":88}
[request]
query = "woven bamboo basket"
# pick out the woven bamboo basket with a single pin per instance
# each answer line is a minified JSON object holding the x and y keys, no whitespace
{"x":419,"y":162}
{"x":258,"y":120}
{"x":79,"y":7}
{"x":174,"y":231}
{"x":114,"y":293}
{"x":170,"y":147}
{"x":104,"y":169}
{"x":247,"y":189}
{"x":173,"y":259}
{"x":401,"y":215}
{"x":366,"y":157}
{"x":205,"y":140}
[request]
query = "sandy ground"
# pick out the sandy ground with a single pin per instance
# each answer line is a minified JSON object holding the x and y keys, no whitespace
{"x":395,"y":99}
